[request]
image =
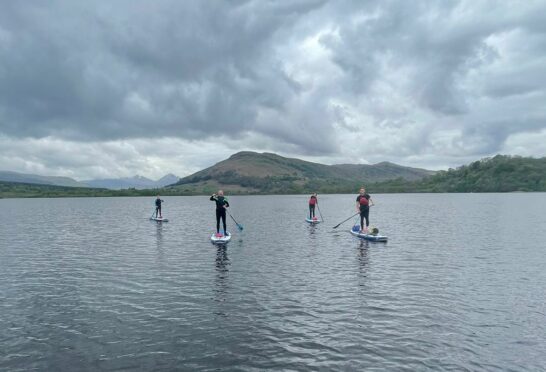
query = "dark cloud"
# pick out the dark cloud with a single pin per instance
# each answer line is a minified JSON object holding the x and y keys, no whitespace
{"x":389,"y":80}
{"x":137,"y":69}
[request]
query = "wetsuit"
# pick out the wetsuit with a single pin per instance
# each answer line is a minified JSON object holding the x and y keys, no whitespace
{"x":312,"y":202}
{"x":158,"y":207}
{"x":221,"y":201}
{"x":364,"y":202}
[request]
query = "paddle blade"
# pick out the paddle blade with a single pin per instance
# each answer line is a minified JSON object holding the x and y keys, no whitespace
{"x":240,"y":227}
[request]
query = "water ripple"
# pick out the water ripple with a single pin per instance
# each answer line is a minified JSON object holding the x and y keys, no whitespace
{"x":451,"y":290}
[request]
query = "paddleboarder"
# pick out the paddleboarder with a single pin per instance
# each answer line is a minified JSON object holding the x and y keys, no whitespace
{"x":221,"y":205}
{"x":158,"y":202}
{"x":363,"y":203}
{"x":313,"y":201}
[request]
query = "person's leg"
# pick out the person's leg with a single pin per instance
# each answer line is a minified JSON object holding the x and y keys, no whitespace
{"x":218,"y":213}
{"x":156,"y":211}
{"x":224,"y":221}
{"x":367,"y":216}
{"x":313,"y":210}
{"x":160,"y":215}
{"x":361,"y":220}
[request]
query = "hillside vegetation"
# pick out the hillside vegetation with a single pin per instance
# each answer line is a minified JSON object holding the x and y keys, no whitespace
{"x":250,"y":172}
{"x":32,"y":190}
{"x":498,"y":174}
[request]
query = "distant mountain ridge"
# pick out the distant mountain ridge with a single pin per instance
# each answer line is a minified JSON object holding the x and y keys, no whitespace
{"x":136,"y":182}
{"x":500,"y":173}
{"x":8,"y":176}
{"x":254,"y":172}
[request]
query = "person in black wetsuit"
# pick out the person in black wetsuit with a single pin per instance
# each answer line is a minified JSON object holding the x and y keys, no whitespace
{"x":158,"y":202}
{"x":221,"y":205}
{"x":313,"y":201}
{"x":363,"y":203}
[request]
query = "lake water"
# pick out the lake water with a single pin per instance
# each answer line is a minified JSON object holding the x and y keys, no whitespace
{"x":92,"y":284}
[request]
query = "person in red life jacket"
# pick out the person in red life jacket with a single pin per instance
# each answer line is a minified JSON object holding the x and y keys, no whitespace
{"x":221,"y":205}
{"x":313,"y":201}
{"x":363,"y":204}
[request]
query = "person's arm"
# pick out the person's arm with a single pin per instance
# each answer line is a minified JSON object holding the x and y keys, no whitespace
{"x":226,"y":205}
{"x":371,"y":202}
{"x":213,"y":197}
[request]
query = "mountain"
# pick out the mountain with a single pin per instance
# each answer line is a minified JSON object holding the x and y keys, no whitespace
{"x":8,"y":176}
{"x":251,"y":172}
{"x":136,"y":182}
{"x":246,"y":173}
{"x":501,"y":173}
{"x":167,"y":180}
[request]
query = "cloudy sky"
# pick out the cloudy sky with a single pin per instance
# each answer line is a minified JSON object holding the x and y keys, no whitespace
{"x":94,"y":89}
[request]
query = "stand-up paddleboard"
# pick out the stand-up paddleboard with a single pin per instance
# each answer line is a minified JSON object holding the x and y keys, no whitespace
{"x":159,"y":219}
{"x":371,"y":237}
{"x":313,"y":221}
{"x":220,"y":238}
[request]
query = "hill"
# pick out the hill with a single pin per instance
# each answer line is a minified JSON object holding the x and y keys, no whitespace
{"x":498,"y":174}
{"x":7,"y":176}
{"x":251,"y":172}
{"x":501,"y":173}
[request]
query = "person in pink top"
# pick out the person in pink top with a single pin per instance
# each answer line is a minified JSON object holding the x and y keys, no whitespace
{"x":313,"y":201}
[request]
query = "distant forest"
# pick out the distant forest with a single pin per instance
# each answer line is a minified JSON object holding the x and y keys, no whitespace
{"x":498,"y":174}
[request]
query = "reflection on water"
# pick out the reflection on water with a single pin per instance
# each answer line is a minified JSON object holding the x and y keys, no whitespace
{"x":81,"y":288}
{"x":222,"y":260}
{"x":363,"y":254}
{"x":222,"y":276}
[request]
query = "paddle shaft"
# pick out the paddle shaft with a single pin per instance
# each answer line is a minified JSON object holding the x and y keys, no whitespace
{"x":322,"y":218}
{"x":339,"y":224}
{"x":238,"y":224}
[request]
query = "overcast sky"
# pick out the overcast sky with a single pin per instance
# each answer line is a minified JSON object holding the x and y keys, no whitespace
{"x":92,"y":89}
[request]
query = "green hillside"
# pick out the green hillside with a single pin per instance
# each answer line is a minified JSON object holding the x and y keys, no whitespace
{"x":250,"y":172}
{"x":33,"y":190}
{"x":246,"y":173}
{"x":498,"y":174}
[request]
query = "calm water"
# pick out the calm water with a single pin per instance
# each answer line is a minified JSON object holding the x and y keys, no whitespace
{"x":92,"y":284}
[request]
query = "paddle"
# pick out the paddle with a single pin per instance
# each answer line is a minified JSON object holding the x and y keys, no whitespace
{"x":354,"y":215}
{"x":239,"y":226}
{"x":322,"y":218}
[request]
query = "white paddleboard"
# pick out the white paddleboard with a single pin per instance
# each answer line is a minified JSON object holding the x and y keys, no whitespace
{"x":221,"y":239}
{"x":313,"y":221}
{"x":371,"y":237}
{"x":159,"y":219}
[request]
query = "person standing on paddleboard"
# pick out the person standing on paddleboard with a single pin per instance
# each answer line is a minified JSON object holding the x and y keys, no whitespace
{"x":363,"y":203}
{"x":158,"y":202}
{"x":221,"y":205}
{"x":313,"y":201}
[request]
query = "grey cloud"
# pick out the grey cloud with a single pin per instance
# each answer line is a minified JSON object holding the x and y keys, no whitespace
{"x":197,"y":68}
{"x":383,"y":80}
